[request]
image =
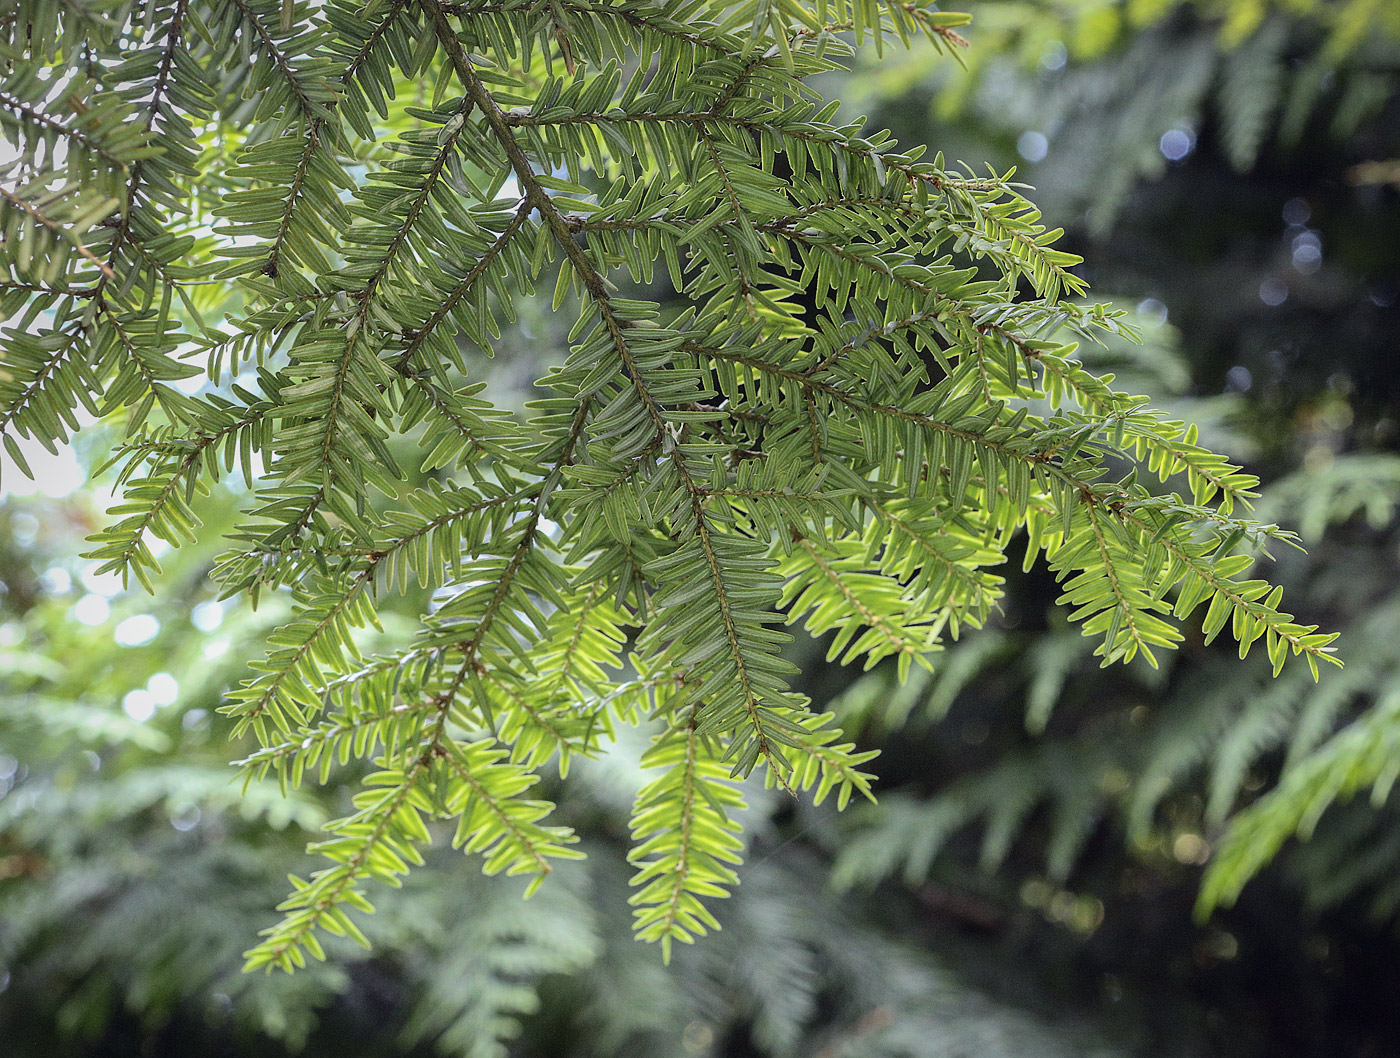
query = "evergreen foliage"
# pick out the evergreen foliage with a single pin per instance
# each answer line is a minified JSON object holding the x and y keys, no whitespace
{"x":1220,"y":752}
{"x":134,"y":873}
{"x":1219,"y":755}
{"x":848,"y":390}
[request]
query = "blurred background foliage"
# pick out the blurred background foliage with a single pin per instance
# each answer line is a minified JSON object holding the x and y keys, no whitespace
{"x":1028,"y":884}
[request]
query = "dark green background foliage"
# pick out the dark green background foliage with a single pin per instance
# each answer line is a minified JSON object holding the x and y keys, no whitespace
{"x":1026,"y":883}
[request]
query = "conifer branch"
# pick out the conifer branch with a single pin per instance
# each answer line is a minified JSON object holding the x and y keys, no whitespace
{"x":317,"y":132}
{"x":840,"y":412}
{"x":279,"y":58}
{"x":58,"y":229}
{"x":597,"y":291}
{"x":46,"y":121}
{"x":464,"y":286}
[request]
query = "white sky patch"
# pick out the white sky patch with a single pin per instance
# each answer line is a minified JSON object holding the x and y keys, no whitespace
{"x":163,"y":688}
{"x":108,"y":584}
{"x":207,"y":616}
{"x":139,"y":705}
{"x":92,"y":610}
{"x":192,"y":385}
{"x":137,"y":630}
{"x":56,"y":580}
{"x":55,"y":475}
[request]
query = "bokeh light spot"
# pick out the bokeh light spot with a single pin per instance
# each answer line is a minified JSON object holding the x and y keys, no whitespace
{"x":137,"y":630}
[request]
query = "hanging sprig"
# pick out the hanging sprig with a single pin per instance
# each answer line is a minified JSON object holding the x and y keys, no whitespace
{"x":274,"y":237}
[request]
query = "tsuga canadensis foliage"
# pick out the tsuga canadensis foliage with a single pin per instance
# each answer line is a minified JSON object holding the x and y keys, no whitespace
{"x":812,"y":377}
